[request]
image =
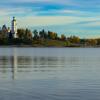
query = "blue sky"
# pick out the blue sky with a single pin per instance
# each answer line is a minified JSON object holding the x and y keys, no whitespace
{"x":70,"y":17}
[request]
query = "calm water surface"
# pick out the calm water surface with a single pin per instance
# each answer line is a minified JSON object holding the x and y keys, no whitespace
{"x":49,"y":74}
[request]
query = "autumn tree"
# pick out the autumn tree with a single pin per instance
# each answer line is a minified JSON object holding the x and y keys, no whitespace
{"x":91,"y":42}
{"x":24,"y":34}
{"x":28,"y":34}
{"x":63,"y":37}
{"x":74,"y":39}
{"x":52,"y":35}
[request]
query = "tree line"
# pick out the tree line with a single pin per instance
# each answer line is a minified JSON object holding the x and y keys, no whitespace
{"x":45,"y":38}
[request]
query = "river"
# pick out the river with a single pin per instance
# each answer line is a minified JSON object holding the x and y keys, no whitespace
{"x":49,"y":73}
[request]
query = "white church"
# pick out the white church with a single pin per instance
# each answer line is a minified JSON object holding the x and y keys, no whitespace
{"x":14,"y":27}
{"x":11,"y":32}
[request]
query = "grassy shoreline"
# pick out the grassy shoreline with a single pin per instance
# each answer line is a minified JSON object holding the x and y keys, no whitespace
{"x":43,"y":46}
{"x":48,"y":43}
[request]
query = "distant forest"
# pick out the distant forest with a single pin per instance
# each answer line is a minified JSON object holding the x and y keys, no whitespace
{"x":25,"y":37}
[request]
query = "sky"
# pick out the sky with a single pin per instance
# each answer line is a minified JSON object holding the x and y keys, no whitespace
{"x":70,"y":17}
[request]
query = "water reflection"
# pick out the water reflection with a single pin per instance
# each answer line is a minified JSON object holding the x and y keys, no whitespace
{"x":14,"y":64}
{"x":49,"y":74}
{"x":17,"y":64}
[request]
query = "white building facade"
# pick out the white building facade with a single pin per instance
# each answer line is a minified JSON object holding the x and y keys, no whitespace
{"x":14,"y":27}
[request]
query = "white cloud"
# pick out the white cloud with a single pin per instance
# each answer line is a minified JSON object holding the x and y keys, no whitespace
{"x":52,"y":20}
{"x":95,"y":23}
{"x":33,"y":20}
{"x":44,"y":20}
{"x":17,"y":11}
{"x":61,"y":2}
{"x":64,"y":11}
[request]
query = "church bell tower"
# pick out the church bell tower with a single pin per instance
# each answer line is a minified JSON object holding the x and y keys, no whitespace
{"x":14,"y":27}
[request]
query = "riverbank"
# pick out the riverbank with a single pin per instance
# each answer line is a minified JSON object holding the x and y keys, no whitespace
{"x":42,"y":46}
{"x":49,"y":43}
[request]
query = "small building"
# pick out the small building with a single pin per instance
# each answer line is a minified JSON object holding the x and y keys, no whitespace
{"x":10,"y":32}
